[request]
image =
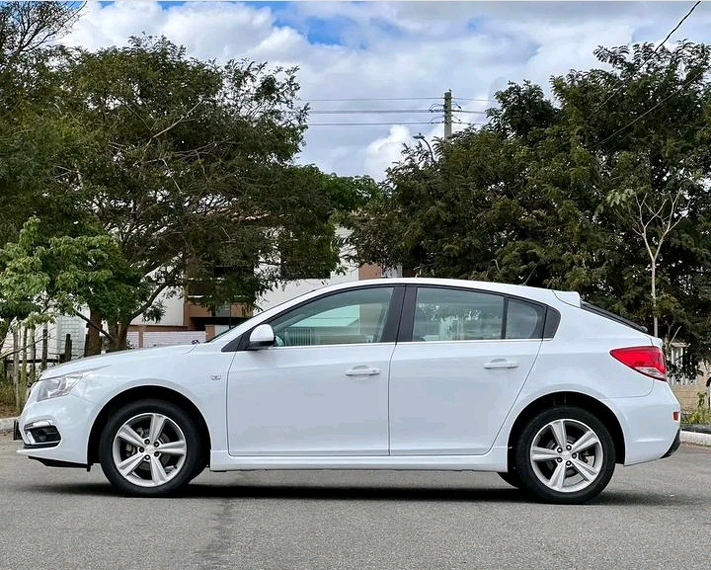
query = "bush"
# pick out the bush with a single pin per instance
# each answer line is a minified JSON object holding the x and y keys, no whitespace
{"x":701,"y":414}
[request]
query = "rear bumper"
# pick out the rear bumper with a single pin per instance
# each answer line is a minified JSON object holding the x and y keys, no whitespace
{"x":650,"y":424}
{"x":675,"y":444}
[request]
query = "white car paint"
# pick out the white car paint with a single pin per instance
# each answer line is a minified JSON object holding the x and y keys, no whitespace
{"x":428,"y":406}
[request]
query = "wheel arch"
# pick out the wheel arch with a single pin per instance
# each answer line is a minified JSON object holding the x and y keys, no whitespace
{"x":588,"y":403}
{"x":143,"y":393}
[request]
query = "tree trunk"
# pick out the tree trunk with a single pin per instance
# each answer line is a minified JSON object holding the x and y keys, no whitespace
{"x":23,"y":371}
{"x":655,"y":317}
{"x":119,"y":332}
{"x":93,"y":336}
{"x":45,"y":346}
{"x":33,"y":357}
{"x":16,"y":368}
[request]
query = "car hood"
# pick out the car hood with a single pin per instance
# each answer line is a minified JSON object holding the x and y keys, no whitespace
{"x":93,"y":362}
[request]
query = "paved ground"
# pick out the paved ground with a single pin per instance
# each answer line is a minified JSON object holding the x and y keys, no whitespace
{"x":651,"y":516}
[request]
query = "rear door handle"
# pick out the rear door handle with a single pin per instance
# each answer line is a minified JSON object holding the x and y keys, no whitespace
{"x":501,"y":363}
{"x":362,"y":371}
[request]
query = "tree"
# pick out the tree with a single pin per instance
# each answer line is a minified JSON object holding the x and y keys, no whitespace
{"x":32,"y":138}
{"x":495,"y":205}
{"x":645,"y":120}
{"x":188,"y":166}
{"x":604,"y":191}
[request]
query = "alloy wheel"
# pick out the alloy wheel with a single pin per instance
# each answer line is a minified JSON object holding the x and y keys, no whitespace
{"x":566,"y":455}
{"x":149,"y":450}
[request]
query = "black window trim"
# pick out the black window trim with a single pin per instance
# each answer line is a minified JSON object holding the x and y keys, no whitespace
{"x":612,"y":316}
{"x":390,"y":330}
{"x":551,"y":316}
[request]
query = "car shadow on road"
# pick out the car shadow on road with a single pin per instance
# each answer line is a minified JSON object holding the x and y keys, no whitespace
{"x":608,"y":498}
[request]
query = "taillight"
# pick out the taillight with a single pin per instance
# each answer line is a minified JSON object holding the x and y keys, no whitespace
{"x":647,"y":360}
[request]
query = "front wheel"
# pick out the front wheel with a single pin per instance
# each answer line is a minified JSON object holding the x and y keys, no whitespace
{"x":565,"y":455}
{"x":149,"y":448}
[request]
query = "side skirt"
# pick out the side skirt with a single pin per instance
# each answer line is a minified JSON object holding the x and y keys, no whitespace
{"x":494,"y":460}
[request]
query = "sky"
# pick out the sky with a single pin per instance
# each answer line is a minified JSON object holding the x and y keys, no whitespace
{"x":397,"y":58}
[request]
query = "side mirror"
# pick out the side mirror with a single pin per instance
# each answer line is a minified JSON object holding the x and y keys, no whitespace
{"x":261,"y":337}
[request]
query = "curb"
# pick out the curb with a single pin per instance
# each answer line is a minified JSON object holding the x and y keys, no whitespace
{"x":6,"y":424}
{"x":696,"y":438}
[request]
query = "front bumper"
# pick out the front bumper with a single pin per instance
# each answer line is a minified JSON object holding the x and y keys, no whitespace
{"x":70,"y":416}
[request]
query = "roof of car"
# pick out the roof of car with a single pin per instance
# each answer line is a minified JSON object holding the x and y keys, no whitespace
{"x":539,"y":293}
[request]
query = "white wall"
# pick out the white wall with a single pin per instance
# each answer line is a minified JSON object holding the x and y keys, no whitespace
{"x":173,"y":311}
{"x":292,"y":289}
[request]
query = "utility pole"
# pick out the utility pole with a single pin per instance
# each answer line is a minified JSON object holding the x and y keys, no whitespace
{"x":447,"y":114}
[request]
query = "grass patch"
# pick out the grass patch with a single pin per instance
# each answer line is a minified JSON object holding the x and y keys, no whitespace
{"x":7,"y":400}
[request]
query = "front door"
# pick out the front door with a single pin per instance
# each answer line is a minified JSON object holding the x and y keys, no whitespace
{"x":323,"y":390}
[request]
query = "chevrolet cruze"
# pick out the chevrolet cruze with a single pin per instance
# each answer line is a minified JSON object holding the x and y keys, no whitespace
{"x":534,"y":384}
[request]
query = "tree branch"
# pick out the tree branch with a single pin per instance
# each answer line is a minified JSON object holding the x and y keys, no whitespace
{"x":94,"y":326}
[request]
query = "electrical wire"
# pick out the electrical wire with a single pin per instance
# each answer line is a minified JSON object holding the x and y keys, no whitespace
{"x":389,"y":124}
{"x":369,"y":111}
{"x":374,"y":123}
{"x":346,"y":99}
{"x":660,"y":44}
{"x":628,"y":125}
{"x":383,"y":111}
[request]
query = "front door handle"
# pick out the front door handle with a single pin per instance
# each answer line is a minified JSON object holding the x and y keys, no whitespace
{"x":362,"y":371}
{"x":501,"y":363}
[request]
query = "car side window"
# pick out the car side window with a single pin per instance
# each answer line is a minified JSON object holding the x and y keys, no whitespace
{"x":455,"y":314}
{"x":349,"y":317}
{"x":524,"y":320}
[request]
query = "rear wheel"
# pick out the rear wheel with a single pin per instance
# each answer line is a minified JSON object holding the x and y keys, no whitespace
{"x":565,"y":455}
{"x":150,"y":448}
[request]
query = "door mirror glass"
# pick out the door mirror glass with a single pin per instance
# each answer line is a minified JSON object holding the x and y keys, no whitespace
{"x":261,"y":337}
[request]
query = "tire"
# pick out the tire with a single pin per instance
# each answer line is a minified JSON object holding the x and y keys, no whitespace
{"x":574,"y":458}
{"x":511,"y":477}
{"x":175,"y":455}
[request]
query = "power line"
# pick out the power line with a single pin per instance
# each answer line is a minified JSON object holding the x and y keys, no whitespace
{"x":660,"y":44}
{"x":388,"y":124}
{"x":383,"y":111}
{"x":628,"y":125}
{"x":369,"y":123}
{"x":346,"y":99}
{"x":369,"y":111}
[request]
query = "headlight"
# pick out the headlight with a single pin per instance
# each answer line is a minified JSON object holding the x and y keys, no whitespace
{"x":59,"y":385}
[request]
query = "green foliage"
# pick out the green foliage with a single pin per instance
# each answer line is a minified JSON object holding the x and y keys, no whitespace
{"x":42,"y":276}
{"x":604,"y":191}
{"x":701,"y":414}
{"x":156,"y":171}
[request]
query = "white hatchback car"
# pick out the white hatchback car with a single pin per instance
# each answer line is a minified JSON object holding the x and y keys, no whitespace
{"x":383,"y":374}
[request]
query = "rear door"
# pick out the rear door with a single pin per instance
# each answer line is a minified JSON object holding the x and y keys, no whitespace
{"x":461,"y":360}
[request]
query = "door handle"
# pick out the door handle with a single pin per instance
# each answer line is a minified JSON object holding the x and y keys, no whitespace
{"x":362,"y":371}
{"x":501,"y":363}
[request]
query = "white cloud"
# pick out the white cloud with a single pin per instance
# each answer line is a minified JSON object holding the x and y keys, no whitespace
{"x":395,"y":49}
{"x":382,"y":152}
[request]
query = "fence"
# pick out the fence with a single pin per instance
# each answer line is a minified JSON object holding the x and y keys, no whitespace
{"x":139,"y":339}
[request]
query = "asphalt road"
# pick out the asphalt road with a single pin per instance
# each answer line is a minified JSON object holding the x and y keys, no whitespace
{"x":656,"y":515}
